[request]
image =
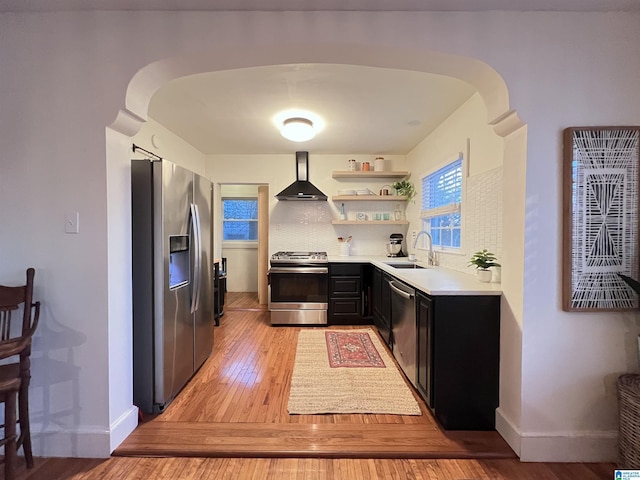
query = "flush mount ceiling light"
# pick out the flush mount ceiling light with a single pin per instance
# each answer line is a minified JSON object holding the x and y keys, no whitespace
{"x":297,"y":129}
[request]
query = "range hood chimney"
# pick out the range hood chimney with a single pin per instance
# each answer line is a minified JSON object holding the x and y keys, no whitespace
{"x":302,"y":188}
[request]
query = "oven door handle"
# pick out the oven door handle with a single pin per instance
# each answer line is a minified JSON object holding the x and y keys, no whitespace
{"x":316,"y":270}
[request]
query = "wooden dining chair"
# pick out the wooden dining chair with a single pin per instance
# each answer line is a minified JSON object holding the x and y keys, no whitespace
{"x":8,"y":395}
{"x":15,"y":343}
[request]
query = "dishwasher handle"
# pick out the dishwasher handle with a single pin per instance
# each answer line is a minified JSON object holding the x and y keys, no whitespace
{"x":401,"y":292}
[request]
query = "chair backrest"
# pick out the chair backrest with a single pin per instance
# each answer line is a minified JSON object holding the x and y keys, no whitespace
{"x":11,"y":300}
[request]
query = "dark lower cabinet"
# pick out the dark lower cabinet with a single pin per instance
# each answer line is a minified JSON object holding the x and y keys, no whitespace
{"x":381,"y":304}
{"x":349,"y":293}
{"x":424,"y":364}
{"x":459,"y":359}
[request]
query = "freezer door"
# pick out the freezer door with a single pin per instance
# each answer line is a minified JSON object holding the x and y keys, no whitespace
{"x":204,"y":315}
{"x":173,"y":330}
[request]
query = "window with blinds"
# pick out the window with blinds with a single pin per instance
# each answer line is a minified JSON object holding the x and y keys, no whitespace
{"x":240,"y":219}
{"x":441,"y":200}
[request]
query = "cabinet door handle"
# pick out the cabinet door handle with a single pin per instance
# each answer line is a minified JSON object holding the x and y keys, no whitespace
{"x":314,"y":270}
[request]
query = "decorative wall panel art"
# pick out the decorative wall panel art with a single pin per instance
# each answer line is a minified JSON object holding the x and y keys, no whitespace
{"x":600,"y":237}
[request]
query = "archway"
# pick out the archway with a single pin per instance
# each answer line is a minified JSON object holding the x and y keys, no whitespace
{"x":487,"y":82}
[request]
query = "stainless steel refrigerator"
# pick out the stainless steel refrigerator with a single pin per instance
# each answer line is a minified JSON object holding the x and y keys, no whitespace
{"x":173,"y":317}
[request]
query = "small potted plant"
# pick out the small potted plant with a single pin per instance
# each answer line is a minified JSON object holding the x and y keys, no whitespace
{"x":483,"y":261}
{"x":405,"y":188}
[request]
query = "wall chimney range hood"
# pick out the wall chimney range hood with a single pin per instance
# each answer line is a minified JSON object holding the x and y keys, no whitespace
{"x":302,"y":189}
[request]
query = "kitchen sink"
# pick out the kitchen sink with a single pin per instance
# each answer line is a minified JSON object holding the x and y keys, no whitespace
{"x":405,"y":265}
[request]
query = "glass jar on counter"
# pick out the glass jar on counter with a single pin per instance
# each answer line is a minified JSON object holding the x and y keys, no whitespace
{"x":397,"y":212}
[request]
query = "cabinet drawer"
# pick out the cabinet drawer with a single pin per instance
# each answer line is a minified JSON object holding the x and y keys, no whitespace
{"x":345,"y":307}
{"x":345,"y":269}
{"x":345,"y":286}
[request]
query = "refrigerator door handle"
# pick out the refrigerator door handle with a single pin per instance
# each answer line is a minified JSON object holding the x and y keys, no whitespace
{"x":195,"y":294}
{"x":199,"y":255}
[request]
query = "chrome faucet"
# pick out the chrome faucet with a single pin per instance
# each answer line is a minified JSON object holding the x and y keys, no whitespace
{"x":430,"y":253}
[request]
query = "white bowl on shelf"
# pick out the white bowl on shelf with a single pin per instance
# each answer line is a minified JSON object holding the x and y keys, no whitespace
{"x":347,"y":192}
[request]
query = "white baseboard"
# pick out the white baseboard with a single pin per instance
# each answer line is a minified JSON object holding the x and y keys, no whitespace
{"x":581,"y":446}
{"x":88,"y":442}
{"x":569,"y":447}
{"x":122,"y":427}
{"x":508,"y":431}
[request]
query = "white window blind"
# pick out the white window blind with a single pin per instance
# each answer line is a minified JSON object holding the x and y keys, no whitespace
{"x":441,"y":201}
{"x":240,"y":219}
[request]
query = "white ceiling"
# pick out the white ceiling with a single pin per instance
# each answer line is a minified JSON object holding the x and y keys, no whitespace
{"x":365,"y":109}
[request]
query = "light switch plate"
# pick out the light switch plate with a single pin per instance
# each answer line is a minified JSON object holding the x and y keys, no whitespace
{"x":72,"y":222}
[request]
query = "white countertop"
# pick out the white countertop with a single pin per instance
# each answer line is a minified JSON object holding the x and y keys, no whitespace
{"x":431,"y":280}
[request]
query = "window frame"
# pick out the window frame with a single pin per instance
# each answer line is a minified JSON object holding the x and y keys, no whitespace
{"x":237,"y":241}
{"x":425,"y":221}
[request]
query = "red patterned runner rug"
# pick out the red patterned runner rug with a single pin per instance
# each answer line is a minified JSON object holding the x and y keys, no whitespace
{"x":347,"y":349}
{"x":319,"y":384}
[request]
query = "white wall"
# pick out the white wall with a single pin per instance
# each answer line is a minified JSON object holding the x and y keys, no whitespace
{"x":156,"y":138}
{"x":465,"y":131}
{"x":242,"y":267}
{"x":569,"y":360}
{"x":64,"y":78}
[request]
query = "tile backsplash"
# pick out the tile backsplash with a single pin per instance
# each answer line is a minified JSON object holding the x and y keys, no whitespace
{"x":483,"y":220}
{"x":307,"y":226}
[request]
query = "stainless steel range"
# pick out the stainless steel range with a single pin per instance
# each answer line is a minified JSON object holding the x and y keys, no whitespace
{"x":298,"y":288}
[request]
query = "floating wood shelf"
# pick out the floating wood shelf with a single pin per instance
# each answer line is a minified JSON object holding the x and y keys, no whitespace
{"x":368,"y":198}
{"x":369,"y":222}
{"x":369,"y":174}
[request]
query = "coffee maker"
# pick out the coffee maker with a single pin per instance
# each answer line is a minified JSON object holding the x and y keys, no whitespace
{"x":394,"y":247}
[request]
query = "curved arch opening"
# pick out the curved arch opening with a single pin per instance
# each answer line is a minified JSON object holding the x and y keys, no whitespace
{"x":489,"y":85}
{"x":481,"y":76}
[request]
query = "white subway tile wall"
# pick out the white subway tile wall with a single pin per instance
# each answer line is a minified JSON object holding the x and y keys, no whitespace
{"x":483,"y":220}
{"x":300,"y":226}
{"x":306,"y":226}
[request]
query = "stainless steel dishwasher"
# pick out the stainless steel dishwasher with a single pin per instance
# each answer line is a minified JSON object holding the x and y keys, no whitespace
{"x":403,"y":327}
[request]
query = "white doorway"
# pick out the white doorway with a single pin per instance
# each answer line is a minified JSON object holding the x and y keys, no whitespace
{"x":244,"y":226}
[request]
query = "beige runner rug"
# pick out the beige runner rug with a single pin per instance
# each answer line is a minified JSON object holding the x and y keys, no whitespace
{"x":347,"y":371}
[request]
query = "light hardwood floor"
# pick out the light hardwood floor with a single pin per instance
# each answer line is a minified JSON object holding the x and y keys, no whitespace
{"x":231,"y":422}
{"x":237,"y":406}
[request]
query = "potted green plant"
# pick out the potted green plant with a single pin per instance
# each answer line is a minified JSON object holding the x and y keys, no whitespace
{"x":404,"y":188}
{"x":483,"y":261}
